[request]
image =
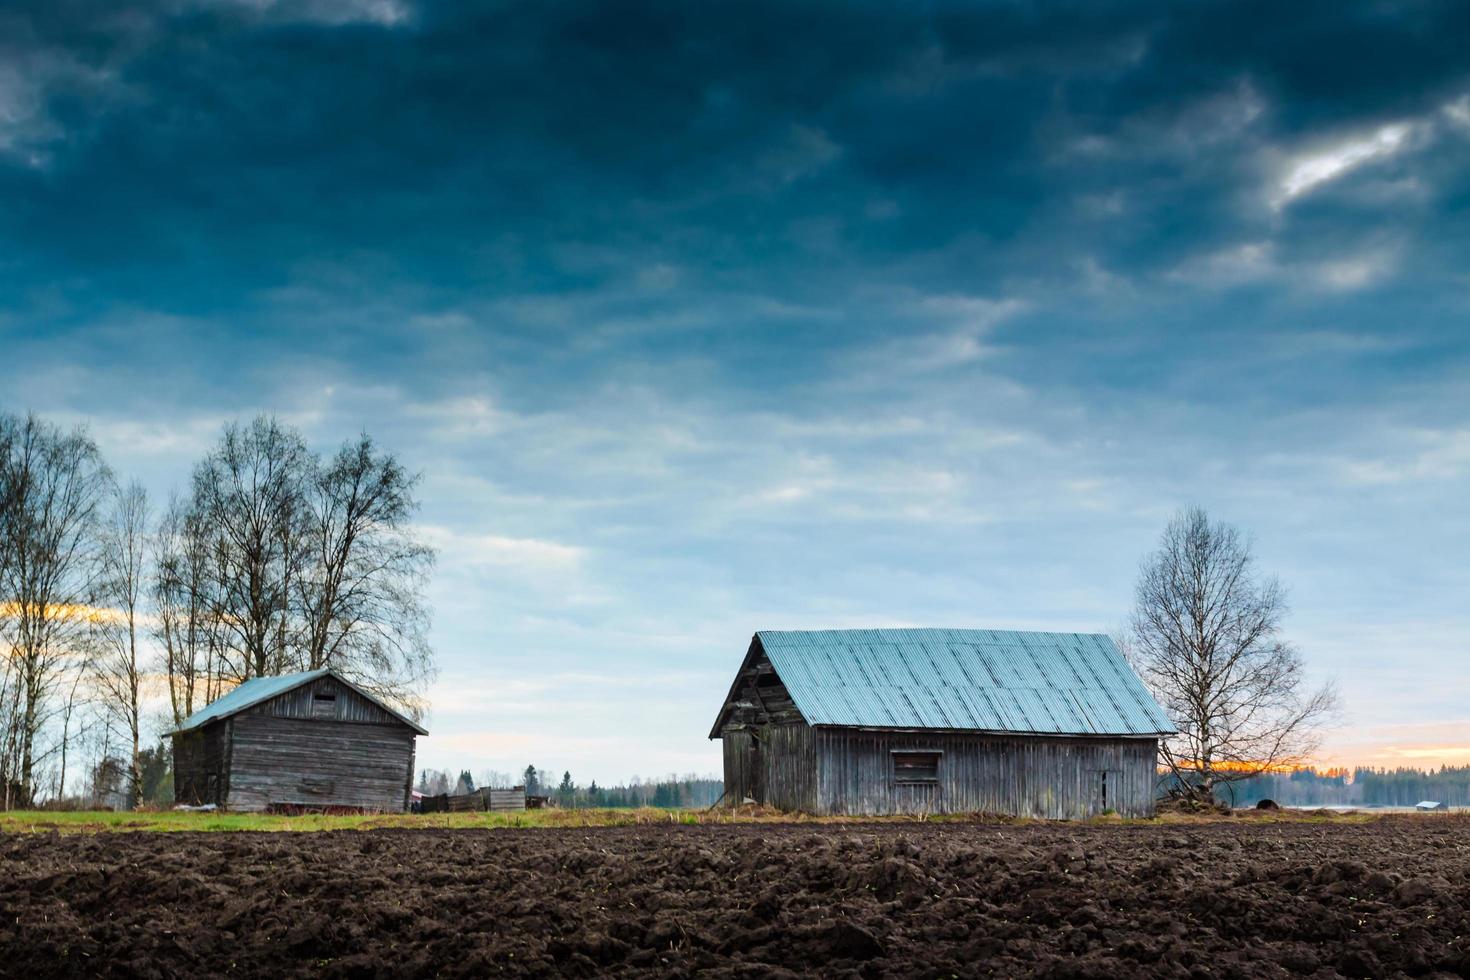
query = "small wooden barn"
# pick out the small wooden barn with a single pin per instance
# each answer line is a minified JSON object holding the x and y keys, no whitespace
{"x":869,"y":722}
{"x":308,"y":740}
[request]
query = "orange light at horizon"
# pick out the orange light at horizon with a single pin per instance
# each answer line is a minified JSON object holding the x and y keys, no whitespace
{"x":65,"y":611}
{"x":1230,"y":765}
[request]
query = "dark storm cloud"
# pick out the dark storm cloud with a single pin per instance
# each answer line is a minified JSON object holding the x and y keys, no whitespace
{"x":229,"y":140}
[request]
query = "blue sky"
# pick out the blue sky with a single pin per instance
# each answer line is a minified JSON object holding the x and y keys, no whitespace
{"x":700,"y":318}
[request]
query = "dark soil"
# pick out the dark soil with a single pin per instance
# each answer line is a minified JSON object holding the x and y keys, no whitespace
{"x":1229,"y":898}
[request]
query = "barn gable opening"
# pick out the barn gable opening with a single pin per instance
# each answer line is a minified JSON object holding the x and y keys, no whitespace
{"x":324,"y":705}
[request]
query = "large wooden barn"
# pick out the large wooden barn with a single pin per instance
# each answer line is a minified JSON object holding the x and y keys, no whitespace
{"x":868,"y":722}
{"x":310,"y":740}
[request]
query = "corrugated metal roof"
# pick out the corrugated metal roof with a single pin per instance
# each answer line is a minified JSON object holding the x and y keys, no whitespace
{"x":984,"y":680}
{"x":252,"y":692}
{"x":249,"y":694}
{"x":259,"y":689}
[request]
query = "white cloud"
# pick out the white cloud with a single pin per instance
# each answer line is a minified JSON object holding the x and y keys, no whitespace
{"x":1096,"y":278}
{"x":28,"y":130}
{"x":784,"y":495}
{"x":1327,"y":343}
{"x":24,"y":126}
{"x":1434,"y":454}
{"x":187,"y":437}
{"x":1262,"y":262}
{"x":965,"y":319}
{"x":1458,"y":112}
{"x":1233,"y":265}
{"x":467,"y":417}
{"x":479,"y":550}
{"x":1355,"y":272}
{"x":1313,"y":168}
{"x":388,"y":13}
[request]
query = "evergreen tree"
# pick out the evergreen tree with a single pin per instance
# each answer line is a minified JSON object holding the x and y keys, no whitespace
{"x":156,"y":774}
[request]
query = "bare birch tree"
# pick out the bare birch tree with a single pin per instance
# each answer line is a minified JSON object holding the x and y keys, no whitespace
{"x":57,"y":484}
{"x":248,"y":492}
{"x":119,"y":665}
{"x":184,"y":627}
{"x":308,"y":564}
{"x":1206,"y":636}
{"x":9,"y":675}
{"x":361,"y":595}
{"x":75,"y":699}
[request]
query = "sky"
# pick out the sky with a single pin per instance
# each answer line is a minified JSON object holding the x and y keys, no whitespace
{"x":698,"y":319}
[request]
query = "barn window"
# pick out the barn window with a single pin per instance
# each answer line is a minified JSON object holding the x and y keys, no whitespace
{"x":323,"y":705}
{"x":916,"y":767}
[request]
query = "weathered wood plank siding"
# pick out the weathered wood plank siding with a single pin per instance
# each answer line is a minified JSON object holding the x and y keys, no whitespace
{"x":189,"y":770}
{"x":201,"y":765}
{"x":768,"y":750}
{"x":790,"y":767}
{"x":481,"y":800}
{"x":771,"y":764}
{"x":736,"y":744}
{"x":310,"y":701}
{"x":318,"y":763}
{"x":1035,"y":776}
{"x":499,"y":800}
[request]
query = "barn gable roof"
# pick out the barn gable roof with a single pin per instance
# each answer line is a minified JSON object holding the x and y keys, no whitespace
{"x":260,"y":689}
{"x":1002,"y":681}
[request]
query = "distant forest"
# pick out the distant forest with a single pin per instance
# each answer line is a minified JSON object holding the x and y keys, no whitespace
{"x":1357,"y":787}
{"x":671,"y":792}
{"x":1304,"y":787}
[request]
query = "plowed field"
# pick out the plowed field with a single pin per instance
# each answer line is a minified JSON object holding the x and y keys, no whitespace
{"x":1230,"y":898}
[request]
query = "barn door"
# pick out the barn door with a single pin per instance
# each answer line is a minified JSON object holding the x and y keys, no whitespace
{"x":755,"y":778}
{"x":1107,"y":786}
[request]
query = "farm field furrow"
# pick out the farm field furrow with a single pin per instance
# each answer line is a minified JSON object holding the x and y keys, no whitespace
{"x":1226,"y":898}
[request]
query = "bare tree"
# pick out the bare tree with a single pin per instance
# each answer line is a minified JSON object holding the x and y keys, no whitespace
{"x":75,"y":698}
{"x":186,"y":631}
{"x":9,"y":675}
{"x":56,"y":483}
{"x":361,"y":594}
{"x":307,"y":564}
{"x":119,"y":667}
{"x":1206,"y":636}
{"x":9,"y":495}
{"x":248,"y":492}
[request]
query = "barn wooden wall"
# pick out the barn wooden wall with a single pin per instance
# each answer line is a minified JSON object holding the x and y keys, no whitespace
{"x":1035,"y":776}
{"x":197,"y":754}
{"x":738,"y":782}
{"x":295,"y":749}
{"x":301,"y":703}
{"x":315,"y":763}
{"x":783,"y":773}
